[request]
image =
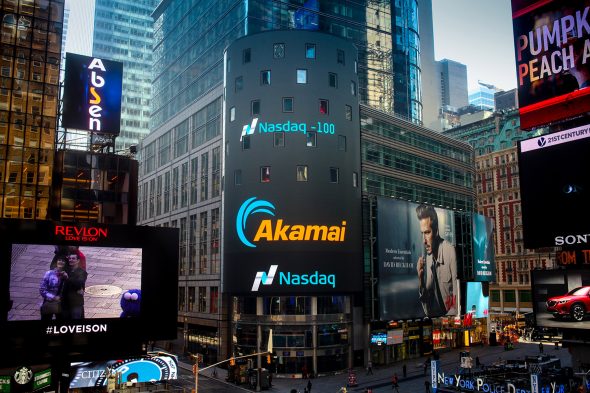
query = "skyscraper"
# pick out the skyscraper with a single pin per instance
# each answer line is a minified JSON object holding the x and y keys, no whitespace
{"x":483,"y":96}
{"x":453,"y":81}
{"x":123,"y":32}
{"x":31,"y":52}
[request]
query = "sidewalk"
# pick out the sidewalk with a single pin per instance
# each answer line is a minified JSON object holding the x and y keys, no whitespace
{"x":380,"y":381}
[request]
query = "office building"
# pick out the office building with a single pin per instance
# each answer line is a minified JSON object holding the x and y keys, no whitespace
{"x":31,"y":53}
{"x":506,"y":99}
{"x":483,"y":96}
{"x":453,"y":83}
{"x":123,"y":31}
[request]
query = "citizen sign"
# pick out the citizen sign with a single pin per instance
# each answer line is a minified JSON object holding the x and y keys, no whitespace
{"x":572,"y":239}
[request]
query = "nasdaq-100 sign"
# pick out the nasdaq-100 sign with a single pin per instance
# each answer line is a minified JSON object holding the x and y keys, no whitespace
{"x":92,"y":94}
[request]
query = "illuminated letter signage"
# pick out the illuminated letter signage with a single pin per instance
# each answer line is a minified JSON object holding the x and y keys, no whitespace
{"x":92,"y":94}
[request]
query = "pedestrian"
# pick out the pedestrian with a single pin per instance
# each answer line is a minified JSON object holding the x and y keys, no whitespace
{"x":427,"y":386}
{"x":50,"y":290}
{"x":74,"y":288}
{"x":370,"y":368}
{"x":425,"y":367}
{"x":304,"y":371}
{"x":540,"y":347}
{"x":556,"y":345}
{"x":394,"y":383}
{"x":309,"y":385}
{"x":405,"y":370}
{"x":477,"y":363}
{"x":305,"y":390}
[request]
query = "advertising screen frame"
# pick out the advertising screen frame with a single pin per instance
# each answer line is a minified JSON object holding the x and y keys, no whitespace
{"x":92,"y":94}
{"x":400,"y":245}
{"x":36,"y":339}
{"x":549,"y":167}
{"x":484,"y":259}
{"x":548,"y":284}
{"x":550,"y":88}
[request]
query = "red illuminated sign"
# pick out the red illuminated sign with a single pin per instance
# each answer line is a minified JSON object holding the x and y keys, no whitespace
{"x":81,"y":234}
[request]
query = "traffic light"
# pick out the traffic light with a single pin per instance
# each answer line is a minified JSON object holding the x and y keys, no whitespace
{"x":268,"y":358}
{"x":232,"y":362}
{"x":195,"y":369}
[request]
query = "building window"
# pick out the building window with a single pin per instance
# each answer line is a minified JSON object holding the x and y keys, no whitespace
{"x":341,"y":143}
{"x":348,"y":112}
{"x":213,"y":296}
{"x":323,"y":107}
{"x":287,"y":104}
{"x":232,"y":113}
{"x":312,"y":139}
{"x":279,"y":139}
{"x":247,"y":55}
{"x":265,"y":174}
{"x":332,"y":79}
{"x":255,"y":107}
{"x":245,"y":142}
{"x":204,"y":192}
{"x":265,"y":77}
{"x":355,"y":179}
{"x":340,"y":56}
{"x":353,"y":88}
{"x":203,"y":241}
{"x":301,"y":76}
{"x":334,"y":174}
{"x":238,"y":177}
{"x":239,"y":84}
{"x":301,"y":172}
{"x":310,"y":51}
{"x":202,"y":299}
{"x":278,"y":51}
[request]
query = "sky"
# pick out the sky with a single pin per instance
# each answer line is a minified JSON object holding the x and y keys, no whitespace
{"x":477,"y":33}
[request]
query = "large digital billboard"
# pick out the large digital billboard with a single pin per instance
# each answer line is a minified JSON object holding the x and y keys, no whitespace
{"x":72,"y":288}
{"x":561,"y":298}
{"x":477,"y":302}
{"x":555,"y":189}
{"x":552,"y":44}
{"x":484,"y":261}
{"x":92,"y":94}
{"x":417,"y":260}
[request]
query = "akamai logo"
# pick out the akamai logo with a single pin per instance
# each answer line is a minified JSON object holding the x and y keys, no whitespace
{"x":249,"y":129}
{"x":278,"y":231}
{"x":541,"y":142}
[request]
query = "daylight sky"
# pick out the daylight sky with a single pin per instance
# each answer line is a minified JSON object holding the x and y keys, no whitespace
{"x":477,"y":33}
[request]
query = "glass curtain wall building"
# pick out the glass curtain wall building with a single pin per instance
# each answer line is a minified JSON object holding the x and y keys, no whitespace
{"x":123,"y":32}
{"x":29,"y":76}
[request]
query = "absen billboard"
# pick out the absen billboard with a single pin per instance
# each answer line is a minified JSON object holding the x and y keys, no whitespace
{"x":555,"y":186}
{"x":92,"y":94}
{"x":552,"y":49}
{"x":484,"y":262}
{"x":561,"y":298}
{"x":86,"y":288}
{"x":417,"y":260}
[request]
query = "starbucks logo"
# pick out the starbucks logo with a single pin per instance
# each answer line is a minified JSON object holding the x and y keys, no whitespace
{"x":23,"y":375}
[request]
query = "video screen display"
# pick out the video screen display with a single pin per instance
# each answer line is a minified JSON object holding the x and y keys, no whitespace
{"x":417,"y":260}
{"x":561,"y":298}
{"x":484,"y":262}
{"x":555,"y":188}
{"x":478,"y":302}
{"x":69,"y":282}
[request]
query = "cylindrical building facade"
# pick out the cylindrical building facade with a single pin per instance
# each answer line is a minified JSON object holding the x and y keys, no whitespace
{"x":292,"y":200}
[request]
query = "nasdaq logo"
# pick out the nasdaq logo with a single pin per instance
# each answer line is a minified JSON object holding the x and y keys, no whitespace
{"x":249,"y":129}
{"x":264,"y":278}
{"x":292,"y":279}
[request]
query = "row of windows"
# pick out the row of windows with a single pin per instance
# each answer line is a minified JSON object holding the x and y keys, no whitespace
{"x":180,"y":188}
{"x":301,"y":79}
{"x":278,"y":51}
{"x":194,"y":299}
{"x":301,"y":175}
{"x":311,"y":140}
{"x":288,"y":104}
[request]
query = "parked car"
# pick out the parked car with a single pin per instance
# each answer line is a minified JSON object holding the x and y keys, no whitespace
{"x":575,"y":303}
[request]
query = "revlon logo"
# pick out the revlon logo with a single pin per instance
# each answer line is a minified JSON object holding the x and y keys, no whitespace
{"x":80,"y":234}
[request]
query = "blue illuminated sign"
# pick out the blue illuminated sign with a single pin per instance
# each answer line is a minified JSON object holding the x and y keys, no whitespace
{"x":379,"y":338}
{"x":288,"y":126}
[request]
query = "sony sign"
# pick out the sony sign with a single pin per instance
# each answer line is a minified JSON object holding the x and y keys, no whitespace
{"x":92,"y":94}
{"x":572,"y":239}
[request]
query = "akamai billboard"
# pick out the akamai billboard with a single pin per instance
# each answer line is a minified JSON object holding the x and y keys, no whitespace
{"x":292,"y":186}
{"x":92,"y":94}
